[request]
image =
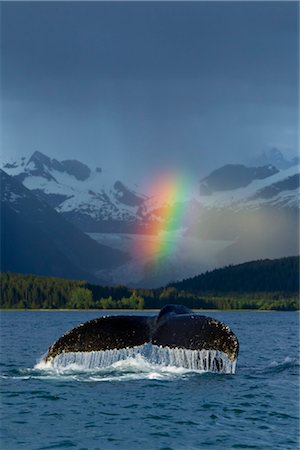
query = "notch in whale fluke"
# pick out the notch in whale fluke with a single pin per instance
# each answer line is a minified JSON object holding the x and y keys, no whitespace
{"x":174,"y":327}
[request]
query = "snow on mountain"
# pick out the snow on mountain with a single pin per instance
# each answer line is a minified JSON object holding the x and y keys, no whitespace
{"x":89,"y":198}
{"x":36,"y":239}
{"x":280,"y":189}
{"x":14,"y":166}
{"x":275,"y":157}
{"x":96,"y":202}
{"x":249,"y":213}
{"x":234,"y":176}
{"x":12,"y":193}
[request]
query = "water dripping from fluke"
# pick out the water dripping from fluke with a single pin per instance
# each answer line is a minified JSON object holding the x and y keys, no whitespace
{"x":156,"y":356}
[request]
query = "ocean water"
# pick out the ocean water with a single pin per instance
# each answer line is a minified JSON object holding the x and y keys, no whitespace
{"x":143,"y":403}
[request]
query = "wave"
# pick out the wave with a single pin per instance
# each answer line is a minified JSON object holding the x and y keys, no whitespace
{"x":281,"y":366}
{"x":287,"y":364}
{"x":134,"y":368}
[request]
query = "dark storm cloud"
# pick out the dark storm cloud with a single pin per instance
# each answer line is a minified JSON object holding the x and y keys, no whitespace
{"x":184,"y":84}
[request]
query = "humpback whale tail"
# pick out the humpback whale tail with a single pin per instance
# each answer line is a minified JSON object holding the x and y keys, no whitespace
{"x":175,"y":327}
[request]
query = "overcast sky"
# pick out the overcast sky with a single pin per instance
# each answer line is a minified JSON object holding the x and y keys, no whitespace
{"x":143,"y":87}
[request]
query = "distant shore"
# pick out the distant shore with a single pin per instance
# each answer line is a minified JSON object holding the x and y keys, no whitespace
{"x":32,"y":292}
{"x":140,"y":310}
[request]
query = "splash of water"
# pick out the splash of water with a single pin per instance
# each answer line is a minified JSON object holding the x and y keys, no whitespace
{"x":194,"y":360}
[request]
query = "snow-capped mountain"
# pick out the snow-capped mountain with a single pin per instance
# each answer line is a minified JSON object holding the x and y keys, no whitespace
{"x":260,"y":217}
{"x":234,"y":176}
{"x":274,"y":157}
{"x":96,"y":202}
{"x":36,"y":239}
{"x":267,"y":187}
{"x":241,"y":213}
{"x":91,"y":199}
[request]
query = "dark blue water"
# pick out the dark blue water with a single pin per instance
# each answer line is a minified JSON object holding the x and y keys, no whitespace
{"x":137,"y":406}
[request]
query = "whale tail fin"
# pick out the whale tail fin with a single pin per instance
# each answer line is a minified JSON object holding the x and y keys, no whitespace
{"x":194,"y":332}
{"x":105,"y":333}
{"x":173,"y":330}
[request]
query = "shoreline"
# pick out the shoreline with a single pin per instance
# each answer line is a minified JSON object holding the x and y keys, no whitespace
{"x":140,"y":310}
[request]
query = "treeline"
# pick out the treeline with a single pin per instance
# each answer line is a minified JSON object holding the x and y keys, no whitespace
{"x":20,"y":291}
{"x":39,"y":292}
{"x":277,"y":275}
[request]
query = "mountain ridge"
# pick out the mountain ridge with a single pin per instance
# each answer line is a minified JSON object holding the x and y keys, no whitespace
{"x":234,"y":176}
{"x":252,"y":221}
{"x":96,"y":202}
{"x":91,"y":200}
{"x":35,"y":236}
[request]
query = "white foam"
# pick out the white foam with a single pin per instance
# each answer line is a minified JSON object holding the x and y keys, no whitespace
{"x":287,"y":360}
{"x":147,"y":358}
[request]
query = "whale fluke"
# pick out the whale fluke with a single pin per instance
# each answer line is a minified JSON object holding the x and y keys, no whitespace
{"x":175,"y":327}
{"x":105,"y":333}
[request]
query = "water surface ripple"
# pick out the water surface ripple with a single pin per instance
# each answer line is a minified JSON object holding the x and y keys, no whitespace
{"x":134,"y":404}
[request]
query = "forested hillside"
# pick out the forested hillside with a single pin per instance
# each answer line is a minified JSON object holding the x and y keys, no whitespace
{"x":270,"y":285}
{"x":278,"y":275}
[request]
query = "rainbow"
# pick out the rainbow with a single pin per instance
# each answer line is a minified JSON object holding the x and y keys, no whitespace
{"x":171,"y":191}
